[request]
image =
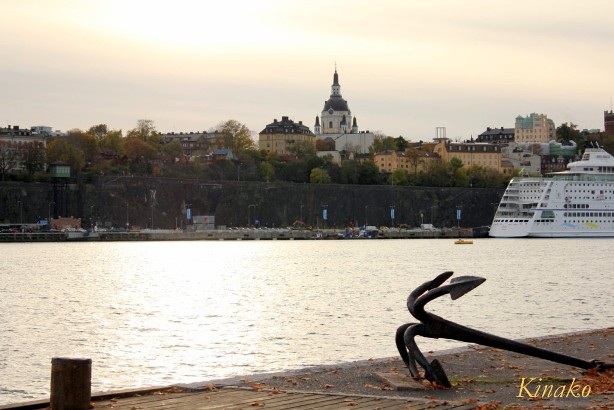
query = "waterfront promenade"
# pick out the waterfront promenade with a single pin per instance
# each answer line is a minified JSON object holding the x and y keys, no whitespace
{"x":231,"y":235}
{"x":482,"y":378}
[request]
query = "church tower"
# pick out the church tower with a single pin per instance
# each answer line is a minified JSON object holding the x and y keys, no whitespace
{"x":336,"y":115}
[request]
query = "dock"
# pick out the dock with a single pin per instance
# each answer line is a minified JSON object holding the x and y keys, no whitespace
{"x":242,"y":398}
{"x":230,"y":235}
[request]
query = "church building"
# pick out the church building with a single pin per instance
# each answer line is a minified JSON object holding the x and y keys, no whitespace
{"x":337,"y":123}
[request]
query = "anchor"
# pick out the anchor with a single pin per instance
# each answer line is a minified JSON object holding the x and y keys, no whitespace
{"x":436,"y":327}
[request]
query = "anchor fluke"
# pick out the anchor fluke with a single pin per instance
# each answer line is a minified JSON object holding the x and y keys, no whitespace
{"x":464,"y":284}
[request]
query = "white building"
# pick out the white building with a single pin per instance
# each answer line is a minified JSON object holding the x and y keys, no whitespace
{"x":336,"y":122}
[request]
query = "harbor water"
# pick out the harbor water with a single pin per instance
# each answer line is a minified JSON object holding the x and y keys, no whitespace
{"x":158,"y":313}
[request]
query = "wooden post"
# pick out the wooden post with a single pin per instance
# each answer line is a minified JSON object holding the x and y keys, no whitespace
{"x":71,"y":383}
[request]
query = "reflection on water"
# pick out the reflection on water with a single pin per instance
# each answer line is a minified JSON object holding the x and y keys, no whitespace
{"x":152,"y":313}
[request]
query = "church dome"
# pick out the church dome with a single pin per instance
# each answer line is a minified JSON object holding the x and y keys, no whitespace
{"x":337,"y":103}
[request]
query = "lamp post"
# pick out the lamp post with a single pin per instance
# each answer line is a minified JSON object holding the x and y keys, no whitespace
{"x":366,"y":217}
{"x":127,"y":221}
{"x":91,"y":217}
{"x":392,"y":216}
{"x":49,"y":225}
{"x":248,"y":214}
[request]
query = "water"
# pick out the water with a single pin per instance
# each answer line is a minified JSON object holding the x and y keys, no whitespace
{"x":157,"y":313}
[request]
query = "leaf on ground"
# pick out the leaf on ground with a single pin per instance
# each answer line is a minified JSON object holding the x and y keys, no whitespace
{"x":600,"y":382}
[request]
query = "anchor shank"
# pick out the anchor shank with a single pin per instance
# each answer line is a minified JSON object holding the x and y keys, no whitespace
{"x":464,"y":334}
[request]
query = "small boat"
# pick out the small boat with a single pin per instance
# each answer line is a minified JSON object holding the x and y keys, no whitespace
{"x":463,"y":242}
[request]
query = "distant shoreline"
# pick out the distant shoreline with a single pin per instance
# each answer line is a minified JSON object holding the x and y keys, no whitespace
{"x":234,"y":235}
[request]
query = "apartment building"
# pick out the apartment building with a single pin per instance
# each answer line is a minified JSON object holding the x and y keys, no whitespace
{"x":281,"y":136}
{"x":534,"y":128}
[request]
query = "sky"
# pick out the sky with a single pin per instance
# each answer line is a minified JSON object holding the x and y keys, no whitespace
{"x":405,"y":67}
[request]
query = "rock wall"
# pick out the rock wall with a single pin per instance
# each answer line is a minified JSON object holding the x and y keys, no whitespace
{"x":115,"y":201}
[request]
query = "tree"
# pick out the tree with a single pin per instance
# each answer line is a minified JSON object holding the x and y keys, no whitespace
{"x":415,"y":158}
{"x":303,"y":150}
{"x":349,"y":172}
{"x":145,"y":130}
{"x":569,"y":132}
{"x":8,"y":158}
{"x":172,"y":149}
{"x":137,"y":148}
{"x":33,"y":157}
{"x":326,"y":144}
{"x":401,"y":143}
{"x":236,"y":136}
{"x":98,"y":131}
{"x":114,"y":141}
{"x":85,"y":142}
{"x":319,"y":176}
{"x":266,"y":171}
{"x":62,"y":150}
{"x":368,"y":173}
{"x":399,"y":177}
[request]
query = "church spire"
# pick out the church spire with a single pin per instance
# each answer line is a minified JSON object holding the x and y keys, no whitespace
{"x":335,"y":88}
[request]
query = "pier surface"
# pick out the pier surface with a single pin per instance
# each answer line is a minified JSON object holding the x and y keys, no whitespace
{"x":482,"y":378}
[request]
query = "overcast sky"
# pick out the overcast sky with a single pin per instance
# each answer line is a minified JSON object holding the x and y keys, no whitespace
{"x":405,"y":66}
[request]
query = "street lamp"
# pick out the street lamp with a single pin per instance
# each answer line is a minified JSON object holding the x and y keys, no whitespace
{"x":248,"y":214}
{"x":366,"y":218}
{"x":392,"y":216}
{"x":49,"y":214}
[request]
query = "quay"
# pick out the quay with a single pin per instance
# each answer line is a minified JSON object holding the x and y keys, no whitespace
{"x":482,"y":378}
{"x":235,"y":235}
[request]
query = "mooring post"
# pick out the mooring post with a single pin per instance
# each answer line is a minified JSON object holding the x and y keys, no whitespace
{"x":71,"y":383}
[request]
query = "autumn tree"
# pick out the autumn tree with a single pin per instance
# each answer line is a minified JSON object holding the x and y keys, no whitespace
{"x":114,"y":141}
{"x":99,"y":132}
{"x":84,"y":142}
{"x":137,"y":149}
{"x":236,"y":136}
{"x":146,"y":131}
{"x":61,"y":150}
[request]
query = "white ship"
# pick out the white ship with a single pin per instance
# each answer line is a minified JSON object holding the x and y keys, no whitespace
{"x":578,"y":202}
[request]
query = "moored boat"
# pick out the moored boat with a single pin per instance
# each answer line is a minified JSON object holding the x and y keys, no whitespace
{"x":578,"y":202}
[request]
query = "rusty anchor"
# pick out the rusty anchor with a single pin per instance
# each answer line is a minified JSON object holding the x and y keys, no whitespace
{"x":436,"y":327}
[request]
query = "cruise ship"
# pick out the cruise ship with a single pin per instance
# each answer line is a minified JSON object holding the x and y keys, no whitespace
{"x":578,"y":202}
